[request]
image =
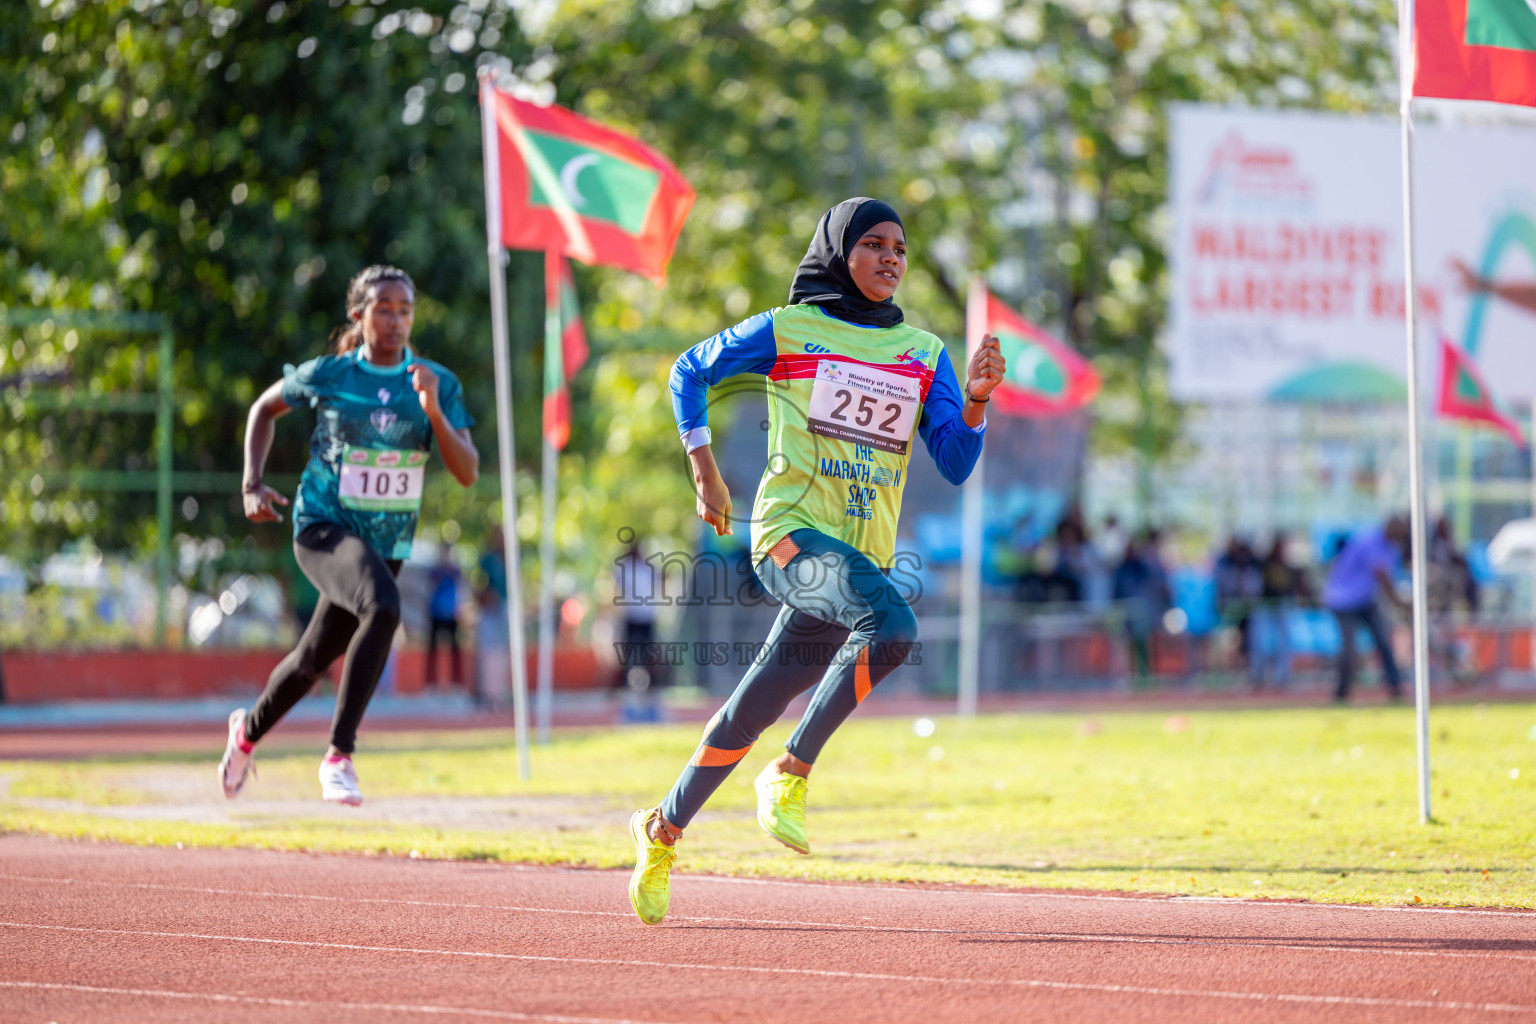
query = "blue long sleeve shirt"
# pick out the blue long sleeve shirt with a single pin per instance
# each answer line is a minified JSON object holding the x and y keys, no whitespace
{"x":752,"y":347}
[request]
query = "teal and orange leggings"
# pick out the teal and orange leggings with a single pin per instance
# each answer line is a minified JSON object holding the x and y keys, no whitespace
{"x":842,"y":629}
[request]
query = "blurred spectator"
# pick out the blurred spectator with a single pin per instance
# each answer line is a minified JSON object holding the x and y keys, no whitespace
{"x":1065,"y":568}
{"x":1362,"y":568}
{"x":1141,"y":583}
{"x":443,"y":609}
{"x":493,"y":656}
{"x":1093,"y":574}
{"x":1112,"y":540}
{"x":1285,"y":585}
{"x":1079,"y":569}
{"x":1022,"y":536}
{"x":1239,"y":587}
{"x":1024,"y":558}
{"x":1037,"y":561}
{"x":1450,"y":575}
{"x":1283,"y":581}
{"x":494,"y":563}
{"x":1449,"y":579}
{"x":635,"y":595}
{"x":1061,"y":580}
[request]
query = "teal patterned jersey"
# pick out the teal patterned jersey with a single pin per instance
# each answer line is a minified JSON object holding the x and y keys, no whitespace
{"x":360,"y":407}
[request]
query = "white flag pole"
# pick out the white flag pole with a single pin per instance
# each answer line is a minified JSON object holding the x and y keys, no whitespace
{"x":971,"y":529}
{"x":497,"y":256}
{"x":1405,"y":64}
{"x":544,"y":702}
{"x":544,"y":699}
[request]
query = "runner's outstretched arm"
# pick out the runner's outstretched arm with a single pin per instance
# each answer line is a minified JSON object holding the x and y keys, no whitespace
{"x":257,"y":497}
{"x":747,"y":347}
{"x":1517,"y":293}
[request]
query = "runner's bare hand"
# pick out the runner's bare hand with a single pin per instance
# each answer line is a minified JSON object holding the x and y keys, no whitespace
{"x":712,"y":501}
{"x":987,"y":368}
{"x":711,"y":498}
{"x":259,"y":502}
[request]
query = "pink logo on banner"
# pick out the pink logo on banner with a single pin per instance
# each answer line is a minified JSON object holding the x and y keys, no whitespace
{"x":1254,"y":176}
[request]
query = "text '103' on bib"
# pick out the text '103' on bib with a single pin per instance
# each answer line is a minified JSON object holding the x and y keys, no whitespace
{"x":382,"y":479}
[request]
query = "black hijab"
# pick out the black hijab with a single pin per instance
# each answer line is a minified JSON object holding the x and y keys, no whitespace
{"x":823,"y":278}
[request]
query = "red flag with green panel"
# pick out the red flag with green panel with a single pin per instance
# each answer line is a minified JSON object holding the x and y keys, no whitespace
{"x":1475,"y":50}
{"x":1465,"y":396}
{"x":565,"y":346}
{"x":594,"y":194}
{"x":1045,"y":377}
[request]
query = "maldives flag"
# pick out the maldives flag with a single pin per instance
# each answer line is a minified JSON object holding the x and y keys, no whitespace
{"x":1044,"y":376}
{"x":565,"y":346}
{"x":1475,"y":50}
{"x":595,"y":194}
{"x":1464,"y":395}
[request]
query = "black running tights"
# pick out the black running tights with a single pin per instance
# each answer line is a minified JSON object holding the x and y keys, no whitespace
{"x":358,"y":613}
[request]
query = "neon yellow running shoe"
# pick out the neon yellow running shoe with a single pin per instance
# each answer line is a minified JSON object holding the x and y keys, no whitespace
{"x":781,"y":808}
{"x":650,"y":887}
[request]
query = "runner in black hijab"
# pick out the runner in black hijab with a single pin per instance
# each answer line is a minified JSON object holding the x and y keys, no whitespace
{"x":822,"y":278}
{"x":820,"y":537}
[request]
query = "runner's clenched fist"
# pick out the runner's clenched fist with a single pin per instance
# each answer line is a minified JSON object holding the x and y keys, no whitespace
{"x":986,"y":369}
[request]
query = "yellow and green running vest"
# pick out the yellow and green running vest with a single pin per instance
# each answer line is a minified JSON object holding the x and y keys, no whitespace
{"x":844,"y":403}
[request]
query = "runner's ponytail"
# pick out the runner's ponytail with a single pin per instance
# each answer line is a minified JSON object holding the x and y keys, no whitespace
{"x":350,"y":335}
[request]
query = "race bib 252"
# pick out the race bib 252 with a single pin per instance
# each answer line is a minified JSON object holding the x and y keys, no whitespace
{"x":864,"y":404}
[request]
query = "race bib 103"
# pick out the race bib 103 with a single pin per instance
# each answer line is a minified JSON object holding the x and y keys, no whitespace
{"x":864,"y":404}
{"x":382,"y":479}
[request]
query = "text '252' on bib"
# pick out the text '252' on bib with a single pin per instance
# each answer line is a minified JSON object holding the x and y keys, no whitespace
{"x":864,"y":404}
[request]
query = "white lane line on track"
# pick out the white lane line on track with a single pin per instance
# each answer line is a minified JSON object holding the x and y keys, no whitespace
{"x":1149,"y":898}
{"x":916,"y":979}
{"x":922,"y":890}
{"x":218,"y":997}
{"x":831,"y":925}
{"x":961,"y":890}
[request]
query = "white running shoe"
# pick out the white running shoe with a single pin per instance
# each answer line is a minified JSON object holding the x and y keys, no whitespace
{"x":338,"y":782}
{"x":237,"y":764}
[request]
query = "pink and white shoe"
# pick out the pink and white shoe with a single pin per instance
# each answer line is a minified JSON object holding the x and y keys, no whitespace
{"x":239,"y":760}
{"x":338,"y":782}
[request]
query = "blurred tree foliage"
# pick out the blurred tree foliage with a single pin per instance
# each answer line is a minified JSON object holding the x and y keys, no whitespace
{"x":232,"y":162}
{"x":230,"y":165}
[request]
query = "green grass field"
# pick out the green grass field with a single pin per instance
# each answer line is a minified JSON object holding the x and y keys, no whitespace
{"x":1316,"y":804}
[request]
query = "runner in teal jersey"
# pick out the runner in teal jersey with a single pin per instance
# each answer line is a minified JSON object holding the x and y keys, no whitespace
{"x":378,"y":408}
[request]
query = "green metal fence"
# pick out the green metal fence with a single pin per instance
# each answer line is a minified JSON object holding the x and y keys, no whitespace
{"x":161,"y":403}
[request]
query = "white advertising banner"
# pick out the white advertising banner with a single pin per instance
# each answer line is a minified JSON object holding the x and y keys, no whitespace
{"x":1287,"y":266}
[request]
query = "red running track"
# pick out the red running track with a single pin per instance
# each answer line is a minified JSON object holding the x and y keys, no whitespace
{"x":114,"y":933}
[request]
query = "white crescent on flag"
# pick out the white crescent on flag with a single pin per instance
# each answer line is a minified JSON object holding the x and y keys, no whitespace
{"x":568,"y":174}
